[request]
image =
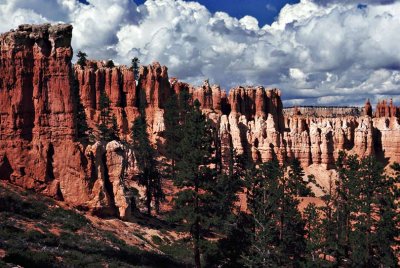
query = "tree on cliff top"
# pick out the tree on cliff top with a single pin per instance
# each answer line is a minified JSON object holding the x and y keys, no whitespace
{"x":82,"y":58}
{"x":135,"y":67}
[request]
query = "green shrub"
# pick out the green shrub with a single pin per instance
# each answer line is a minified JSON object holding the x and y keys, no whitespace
{"x":179,"y":251}
{"x":156,"y":239}
{"x":69,"y":220}
{"x":29,"y":258}
{"x":31,"y":208}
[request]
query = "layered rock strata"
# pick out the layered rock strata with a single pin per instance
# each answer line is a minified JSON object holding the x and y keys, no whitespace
{"x":37,"y":125}
{"x":39,"y":147}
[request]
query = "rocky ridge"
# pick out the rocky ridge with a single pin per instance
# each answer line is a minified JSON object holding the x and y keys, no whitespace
{"x":39,"y":148}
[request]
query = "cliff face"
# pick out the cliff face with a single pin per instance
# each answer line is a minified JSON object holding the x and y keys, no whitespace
{"x":120,"y":86}
{"x":37,"y":129}
{"x":39,"y":147}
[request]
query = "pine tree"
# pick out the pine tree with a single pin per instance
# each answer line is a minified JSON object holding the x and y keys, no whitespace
{"x":278,"y":232}
{"x":374,"y":225}
{"x":328,"y":221}
{"x":262,"y":206}
{"x":363,"y":217}
{"x":193,"y":205}
{"x":175,"y":111}
{"x":345,"y":203}
{"x":172,"y":132}
{"x":314,"y":233}
{"x":145,"y":155}
{"x":296,"y":178}
{"x":387,"y":247}
{"x":82,"y":58}
{"x":135,"y":68}
{"x":108,"y":129}
{"x":83,"y":131}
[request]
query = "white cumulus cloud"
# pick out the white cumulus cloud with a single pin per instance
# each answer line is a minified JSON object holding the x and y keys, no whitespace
{"x":317,"y":52}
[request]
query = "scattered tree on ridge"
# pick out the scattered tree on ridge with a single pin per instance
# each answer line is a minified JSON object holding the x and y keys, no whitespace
{"x":82,"y":58}
{"x":135,"y":68}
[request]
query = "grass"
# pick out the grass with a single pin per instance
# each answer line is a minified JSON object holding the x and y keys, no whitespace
{"x":179,"y":250}
{"x":77,"y":244}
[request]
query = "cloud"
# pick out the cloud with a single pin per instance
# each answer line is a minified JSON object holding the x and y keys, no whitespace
{"x":364,"y":2}
{"x":317,"y":52}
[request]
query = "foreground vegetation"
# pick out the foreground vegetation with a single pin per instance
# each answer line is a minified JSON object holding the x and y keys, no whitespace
{"x":36,"y":232}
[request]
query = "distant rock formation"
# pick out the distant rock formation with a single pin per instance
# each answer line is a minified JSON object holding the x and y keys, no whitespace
{"x":39,"y":147}
{"x":324,"y":111}
{"x":368,"y":108}
{"x":385,"y":109}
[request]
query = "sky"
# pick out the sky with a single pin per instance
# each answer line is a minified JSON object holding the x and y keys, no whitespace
{"x":318,"y":52}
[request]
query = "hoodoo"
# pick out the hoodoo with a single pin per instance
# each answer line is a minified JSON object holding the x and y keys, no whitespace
{"x":39,"y":147}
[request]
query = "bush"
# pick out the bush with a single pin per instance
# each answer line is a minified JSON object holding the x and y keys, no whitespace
{"x":29,"y":258}
{"x":156,"y":239}
{"x":31,"y":208}
{"x":179,"y":251}
{"x":69,"y":220}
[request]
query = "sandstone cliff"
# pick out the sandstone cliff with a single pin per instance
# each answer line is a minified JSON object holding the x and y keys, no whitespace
{"x":37,"y":129}
{"x":39,"y":148}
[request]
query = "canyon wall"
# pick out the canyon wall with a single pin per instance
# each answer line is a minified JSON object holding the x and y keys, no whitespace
{"x":39,"y":147}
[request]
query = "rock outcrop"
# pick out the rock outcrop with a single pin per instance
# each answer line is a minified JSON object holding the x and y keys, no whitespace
{"x":39,"y":147}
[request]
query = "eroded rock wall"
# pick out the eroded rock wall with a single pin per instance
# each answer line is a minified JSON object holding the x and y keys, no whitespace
{"x":39,"y":148}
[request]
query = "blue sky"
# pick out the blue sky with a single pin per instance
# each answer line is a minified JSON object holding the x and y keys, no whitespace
{"x":264,"y":11}
{"x":318,"y":52}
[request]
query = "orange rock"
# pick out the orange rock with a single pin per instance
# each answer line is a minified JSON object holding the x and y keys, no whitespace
{"x":39,"y":150}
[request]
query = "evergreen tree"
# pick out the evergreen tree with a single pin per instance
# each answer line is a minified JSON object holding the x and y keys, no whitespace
{"x":175,"y":111}
{"x":296,"y":178}
{"x":82,"y":58}
{"x":386,"y":244}
{"x":108,"y":129}
{"x":347,"y":194}
{"x":172,"y":133}
{"x":328,"y":222}
{"x":145,"y":154}
{"x":83,"y":131}
{"x":374,"y":224}
{"x":194,"y":203}
{"x":314,"y":233}
{"x":361,"y":222}
{"x":234,"y":244}
{"x":135,"y":68}
{"x":149,"y":177}
{"x":278,"y":229}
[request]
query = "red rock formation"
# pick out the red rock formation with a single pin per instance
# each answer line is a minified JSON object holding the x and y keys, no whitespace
{"x":38,"y":147}
{"x":383,"y":109}
{"x":37,"y":126}
{"x":368,"y":108}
